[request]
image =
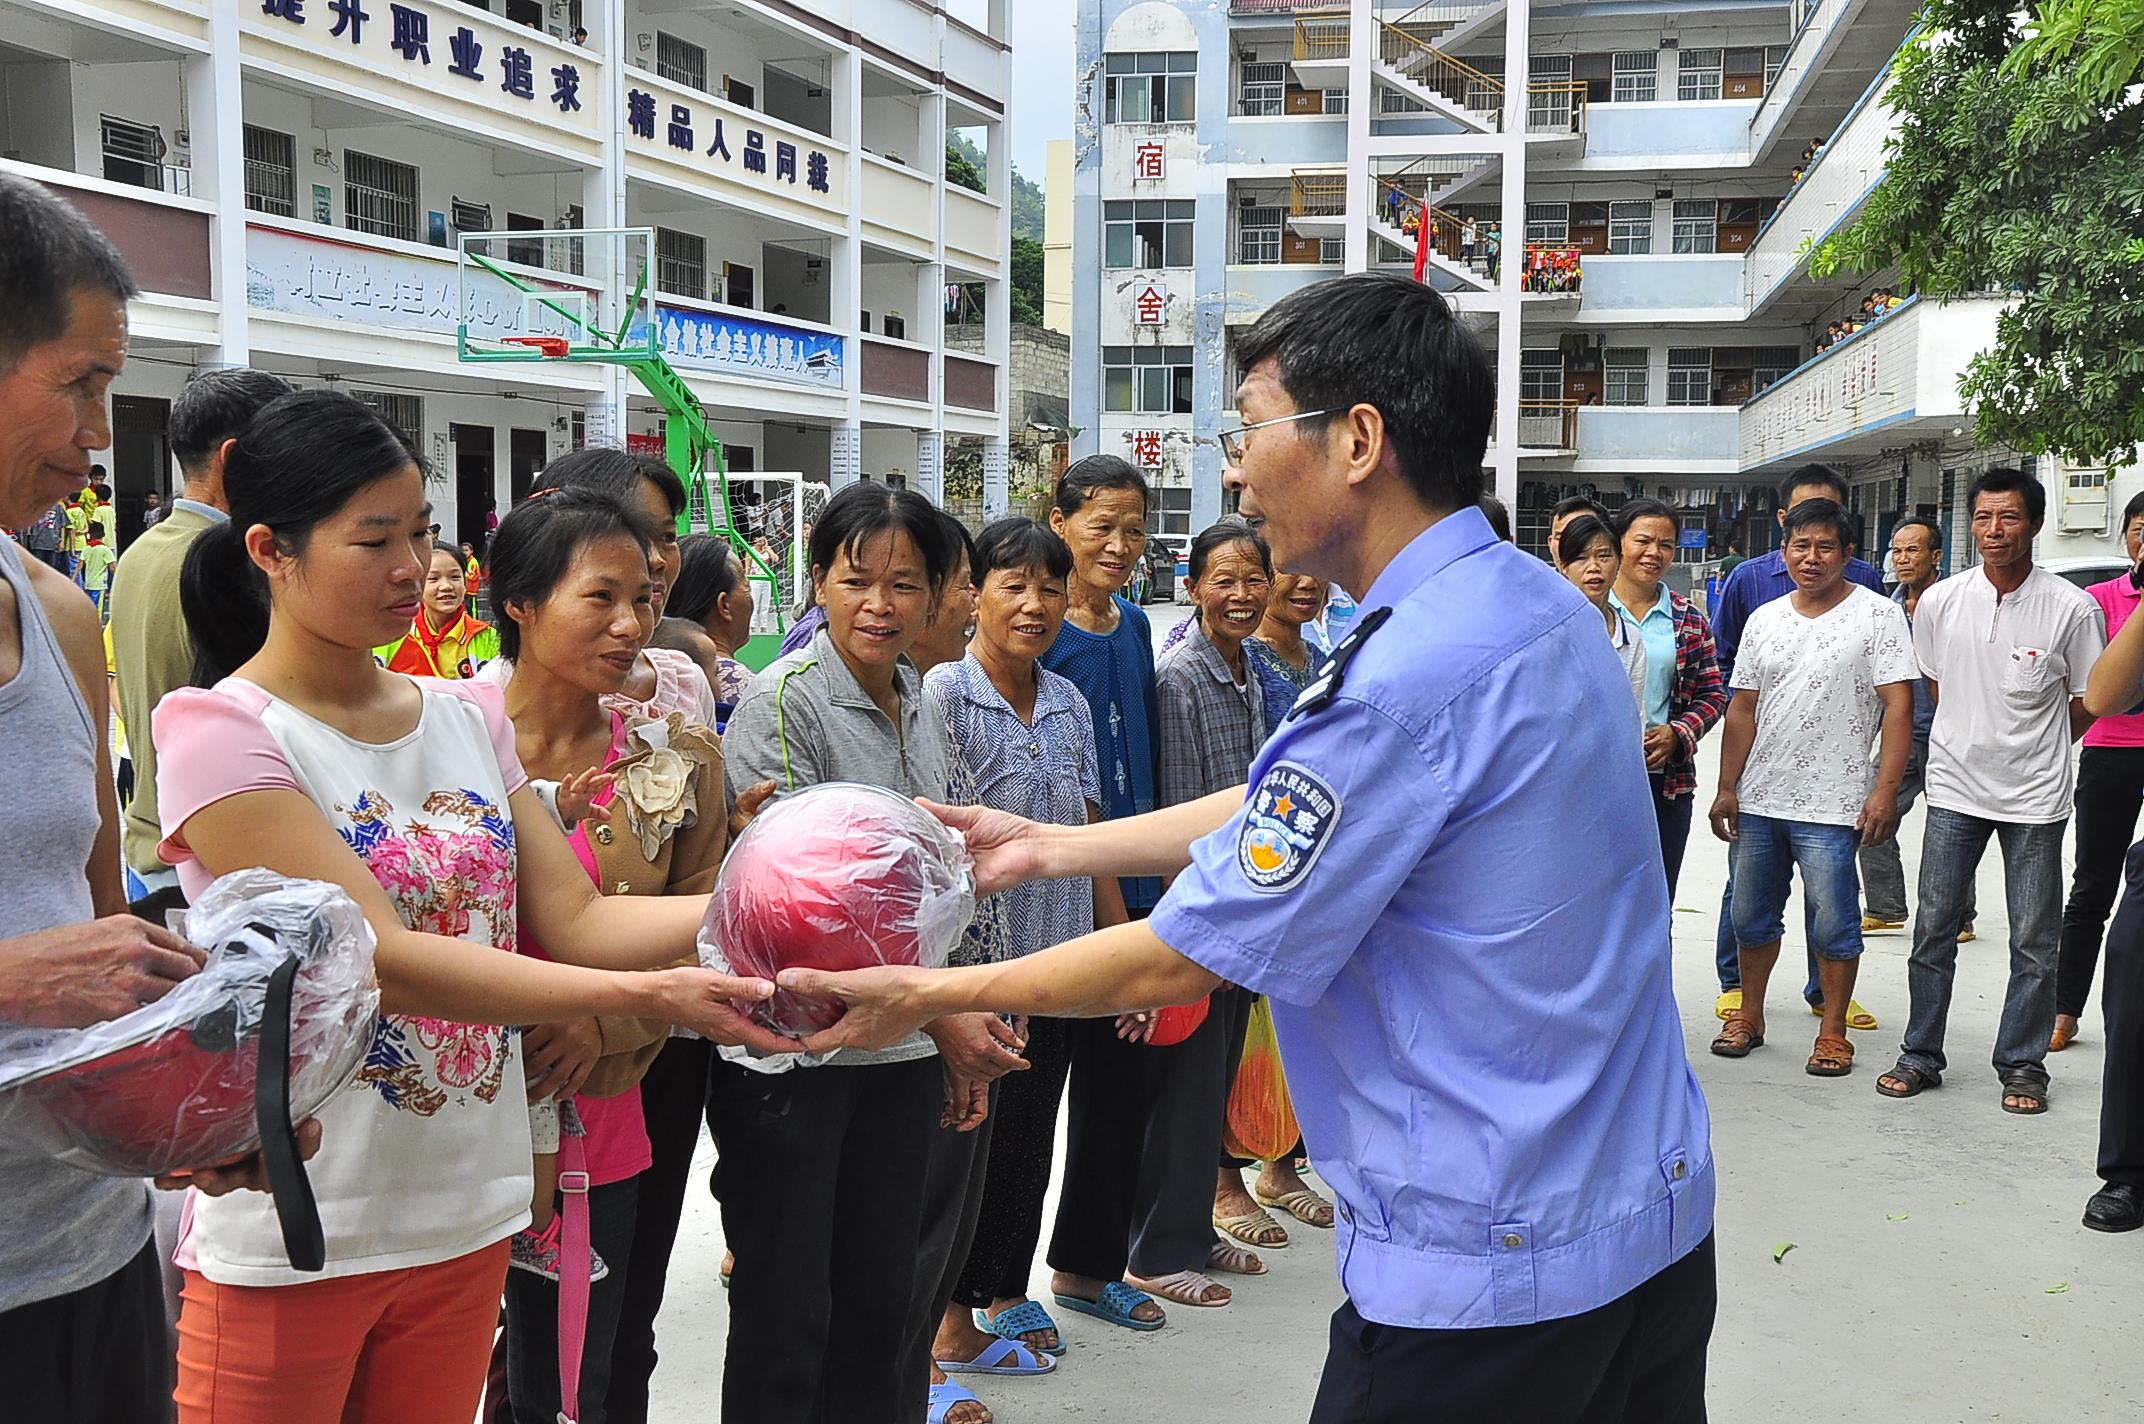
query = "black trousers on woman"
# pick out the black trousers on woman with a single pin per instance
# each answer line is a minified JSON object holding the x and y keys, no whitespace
{"x":2121,"y":1102}
{"x":1023,"y":1141}
{"x":1672,"y":815}
{"x":2110,"y":791}
{"x":1173,"y":1229}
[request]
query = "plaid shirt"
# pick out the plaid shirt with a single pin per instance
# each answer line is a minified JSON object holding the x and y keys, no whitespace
{"x":1209,"y":733}
{"x":1698,"y":698}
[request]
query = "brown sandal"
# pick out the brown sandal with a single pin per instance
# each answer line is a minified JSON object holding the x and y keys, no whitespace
{"x":1738,"y":1037}
{"x":1833,"y":1058}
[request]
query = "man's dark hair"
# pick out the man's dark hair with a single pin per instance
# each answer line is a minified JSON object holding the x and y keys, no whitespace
{"x":1384,"y":340}
{"x":1935,"y":530}
{"x":1812,"y":475}
{"x":2132,"y":509}
{"x":51,"y":252}
{"x":1499,"y":517}
{"x":1580,"y":504}
{"x":2007,"y":482}
{"x":1819,"y":514}
{"x":214,"y":407}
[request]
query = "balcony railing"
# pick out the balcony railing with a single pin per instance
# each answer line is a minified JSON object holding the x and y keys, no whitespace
{"x":1548,"y":424}
{"x":1317,"y":195}
{"x":1321,"y":34}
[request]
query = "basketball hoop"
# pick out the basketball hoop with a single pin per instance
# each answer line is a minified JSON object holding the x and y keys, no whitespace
{"x":549,"y":346}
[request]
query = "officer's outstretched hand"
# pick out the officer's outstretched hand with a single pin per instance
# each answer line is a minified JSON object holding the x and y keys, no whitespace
{"x":884,"y":1004}
{"x":1007,"y":848}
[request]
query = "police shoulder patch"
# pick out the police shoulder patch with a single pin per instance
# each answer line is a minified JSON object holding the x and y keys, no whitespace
{"x":1286,"y":823}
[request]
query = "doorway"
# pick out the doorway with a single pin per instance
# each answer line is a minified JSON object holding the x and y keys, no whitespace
{"x":474,"y":472}
{"x":141,"y":459}
{"x":527,"y":451}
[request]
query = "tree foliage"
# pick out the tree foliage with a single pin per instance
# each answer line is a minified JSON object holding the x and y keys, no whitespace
{"x":1026,"y":281}
{"x":965,"y":167}
{"x":2018,"y":167}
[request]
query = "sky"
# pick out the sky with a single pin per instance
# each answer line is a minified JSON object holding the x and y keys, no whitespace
{"x":1040,"y":105}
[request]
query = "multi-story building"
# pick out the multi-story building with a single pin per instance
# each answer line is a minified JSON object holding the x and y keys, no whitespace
{"x":288,"y":179}
{"x":1642,"y":171}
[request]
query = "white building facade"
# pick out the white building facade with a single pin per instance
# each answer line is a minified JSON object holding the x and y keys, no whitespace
{"x":1648,"y":154}
{"x":287,"y":179}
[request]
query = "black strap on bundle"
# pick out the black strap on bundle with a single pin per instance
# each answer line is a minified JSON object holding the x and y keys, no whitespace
{"x":295,"y":1209}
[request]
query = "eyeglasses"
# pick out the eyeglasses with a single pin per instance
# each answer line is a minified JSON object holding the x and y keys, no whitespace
{"x":1233,"y":444}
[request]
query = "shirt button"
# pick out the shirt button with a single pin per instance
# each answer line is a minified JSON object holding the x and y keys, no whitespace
{"x":603,"y":835}
{"x":1680,"y":1170}
{"x":1514,"y":1240}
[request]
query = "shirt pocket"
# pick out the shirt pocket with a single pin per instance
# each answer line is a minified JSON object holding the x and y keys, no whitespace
{"x":2033,"y":676}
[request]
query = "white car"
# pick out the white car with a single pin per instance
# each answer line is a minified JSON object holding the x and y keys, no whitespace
{"x":2086,"y":570}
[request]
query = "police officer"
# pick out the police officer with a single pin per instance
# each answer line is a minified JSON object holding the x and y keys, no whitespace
{"x":1444,"y":877}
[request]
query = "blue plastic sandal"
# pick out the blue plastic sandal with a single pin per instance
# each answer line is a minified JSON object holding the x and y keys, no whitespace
{"x":1115,"y":1305}
{"x":945,"y":1396}
{"x":1002,"y":1357}
{"x":1026,"y":1318}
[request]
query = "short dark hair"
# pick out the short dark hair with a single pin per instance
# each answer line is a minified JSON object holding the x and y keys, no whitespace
{"x":2008,"y":482}
{"x":214,"y":407}
{"x":1935,"y":531}
{"x":2132,"y":509}
{"x":1088,"y":477}
{"x":1228,"y":530}
{"x":615,"y":472}
{"x":864,"y":510}
{"x":51,"y":252}
{"x":1019,"y":544}
{"x":705,"y":571}
{"x":1582,"y":531}
{"x":1812,"y":475}
{"x":1499,"y":517}
{"x":1383,"y":340}
{"x":1576,"y":503}
{"x":538,"y":541}
{"x":1816,"y":513}
{"x":1645,"y":507}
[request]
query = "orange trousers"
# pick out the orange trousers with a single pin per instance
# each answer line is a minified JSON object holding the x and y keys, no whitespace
{"x":392,"y":1347}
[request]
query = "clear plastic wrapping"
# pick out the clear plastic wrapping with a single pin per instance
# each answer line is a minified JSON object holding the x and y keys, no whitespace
{"x":170,"y":1086}
{"x":837,"y":876}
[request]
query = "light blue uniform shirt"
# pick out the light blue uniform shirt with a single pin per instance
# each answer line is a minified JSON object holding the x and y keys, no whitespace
{"x":1447,"y":881}
{"x":1658,"y":630}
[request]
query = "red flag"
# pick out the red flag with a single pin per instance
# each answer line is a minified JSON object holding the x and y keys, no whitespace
{"x":1421,"y":248}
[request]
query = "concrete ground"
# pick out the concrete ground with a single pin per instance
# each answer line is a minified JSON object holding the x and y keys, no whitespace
{"x":1938,"y":1273}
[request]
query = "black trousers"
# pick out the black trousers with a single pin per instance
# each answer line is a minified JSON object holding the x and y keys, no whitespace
{"x":953,"y":1187}
{"x":1639,"y":1359}
{"x":99,"y":1355}
{"x":1108,"y":1106}
{"x":2110,"y":791}
{"x":1023,"y":1141}
{"x":821,"y":1180}
{"x":2121,"y":1103}
{"x":530,"y":1341}
{"x":1672,"y":816}
{"x":1173,"y":1214}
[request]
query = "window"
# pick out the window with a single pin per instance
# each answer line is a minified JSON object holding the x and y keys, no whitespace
{"x":1637,"y":77}
{"x":1689,"y":375}
{"x":1262,"y":89}
{"x":1630,"y":227}
{"x":133,"y":153}
{"x":527,"y":251}
{"x":1697,"y":74}
{"x":1332,"y":251}
{"x":1769,"y":363}
{"x":1624,"y":369}
{"x":1550,"y":95}
{"x":1147,"y":233}
{"x":469,"y":217}
{"x":1541,"y":375}
{"x":1152,"y":380}
{"x":1697,"y":225}
{"x":680,"y":263}
{"x":1150,"y":88}
{"x":1175,"y":511}
{"x":271,"y":172}
{"x":680,"y":61}
{"x":404,"y":414}
{"x":1774,"y":57}
{"x":1335,"y":101}
{"x":379,"y":196}
{"x":1257,"y":235}
{"x":1548,"y":222}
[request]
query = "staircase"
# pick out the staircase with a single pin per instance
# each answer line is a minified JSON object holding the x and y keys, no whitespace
{"x":1448,"y":85}
{"x":1446,"y":251}
{"x":1450,"y":24}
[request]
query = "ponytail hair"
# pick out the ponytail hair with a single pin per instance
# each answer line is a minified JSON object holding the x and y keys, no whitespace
{"x":296,"y":463}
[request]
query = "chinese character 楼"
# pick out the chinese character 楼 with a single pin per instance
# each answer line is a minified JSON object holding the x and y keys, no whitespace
{"x":349,"y":15}
{"x":291,"y":10}
{"x":565,"y":87}
{"x":517,"y":72}
{"x":1146,"y":448}
{"x":815,"y":172}
{"x":468,"y":53}
{"x":681,"y":127}
{"x":640,"y":113}
{"x":755,"y":151}
{"x":413,"y":33}
{"x":785,"y":161}
{"x":721,"y":145}
{"x":1146,"y":161}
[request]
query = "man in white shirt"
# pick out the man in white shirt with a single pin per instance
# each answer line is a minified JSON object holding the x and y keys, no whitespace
{"x":1816,"y":674}
{"x":2007,"y":649}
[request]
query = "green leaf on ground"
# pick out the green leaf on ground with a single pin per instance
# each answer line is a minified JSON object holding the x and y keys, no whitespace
{"x":2059,"y":1288}
{"x":1779,"y":1252}
{"x":1898,"y":1216}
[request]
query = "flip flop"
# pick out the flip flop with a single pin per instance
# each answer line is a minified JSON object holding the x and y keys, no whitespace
{"x":1115,"y":1304}
{"x":1024,"y":1319}
{"x":1002,"y":1357}
{"x":1857,"y":1018}
{"x":1303,"y":1204}
{"x":1246,"y":1228}
{"x":945,"y":1396}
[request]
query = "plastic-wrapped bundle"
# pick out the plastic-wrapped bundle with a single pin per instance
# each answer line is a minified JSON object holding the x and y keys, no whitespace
{"x":172,"y":1085}
{"x":838,"y":876}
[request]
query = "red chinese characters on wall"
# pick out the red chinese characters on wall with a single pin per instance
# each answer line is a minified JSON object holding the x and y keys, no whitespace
{"x":1147,"y":162}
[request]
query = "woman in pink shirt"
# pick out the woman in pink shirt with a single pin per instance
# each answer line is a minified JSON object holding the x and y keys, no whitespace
{"x":2110,"y":788}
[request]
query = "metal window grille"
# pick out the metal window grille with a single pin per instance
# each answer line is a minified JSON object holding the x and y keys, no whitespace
{"x":680,"y":61}
{"x":1548,"y":222}
{"x":379,"y":196}
{"x":680,"y":263}
{"x":1624,"y":372}
{"x":470,"y":217}
{"x":271,"y":171}
{"x":1258,"y":235}
{"x":1630,"y":227}
{"x":1262,"y":90}
{"x":1636,"y":77}
{"x":133,"y":153}
{"x":403,"y":413}
{"x":1697,"y":224}
{"x":1689,"y":375}
{"x":1541,"y":375}
{"x":1335,"y":101}
{"x":1332,"y":251}
{"x":1698,"y":73}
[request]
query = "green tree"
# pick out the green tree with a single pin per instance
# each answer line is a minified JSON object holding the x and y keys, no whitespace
{"x":2018,"y":166}
{"x":1027,"y":207}
{"x":1026,"y":281}
{"x":965,"y":166}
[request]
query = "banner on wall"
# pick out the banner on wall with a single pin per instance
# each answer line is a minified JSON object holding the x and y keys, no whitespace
{"x":739,"y":346}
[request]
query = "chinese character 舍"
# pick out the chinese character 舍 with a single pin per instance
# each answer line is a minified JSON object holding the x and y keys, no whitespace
{"x":413,"y":33}
{"x":565,"y":87}
{"x":468,"y":53}
{"x":349,"y":15}
{"x":681,"y":127}
{"x":517,"y":72}
{"x":640,"y":113}
{"x":1146,"y":161}
{"x":785,"y":161}
{"x":1148,"y":303}
{"x":815,"y":172}
{"x":755,"y":151}
{"x":291,"y":10}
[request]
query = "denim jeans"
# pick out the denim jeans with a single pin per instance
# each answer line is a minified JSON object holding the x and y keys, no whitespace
{"x":1727,"y":954}
{"x":1765,"y":854}
{"x":1951,"y":849}
{"x":530,"y":1340}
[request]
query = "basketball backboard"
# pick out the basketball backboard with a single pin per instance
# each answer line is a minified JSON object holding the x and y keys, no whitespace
{"x":581,"y":294}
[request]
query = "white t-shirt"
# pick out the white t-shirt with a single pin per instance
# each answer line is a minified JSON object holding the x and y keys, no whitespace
{"x":425,"y":1156}
{"x":1630,"y":647}
{"x":1817,"y":708}
{"x":2005,"y":671}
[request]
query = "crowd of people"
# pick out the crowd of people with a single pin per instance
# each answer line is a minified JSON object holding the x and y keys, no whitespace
{"x":530,"y":810}
{"x":1874,"y":307}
